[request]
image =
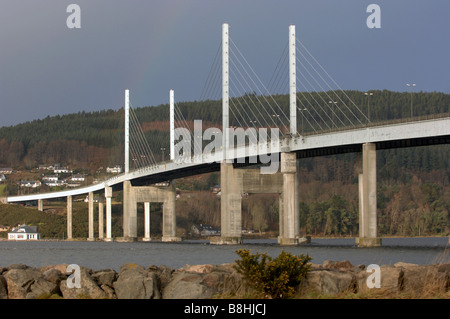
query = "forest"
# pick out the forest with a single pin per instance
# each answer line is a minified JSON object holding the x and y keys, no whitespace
{"x":413,"y":183}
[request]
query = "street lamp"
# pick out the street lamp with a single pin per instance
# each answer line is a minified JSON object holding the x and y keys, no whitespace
{"x":368,"y":106}
{"x":162,"y":150}
{"x":411,"y":85}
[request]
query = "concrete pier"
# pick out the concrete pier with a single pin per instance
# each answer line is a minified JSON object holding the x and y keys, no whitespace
{"x":40,"y":205}
{"x":169,"y":231}
{"x":235,"y":182}
{"x":69,"y":217}
{"x":101,"y":205}
{"x":289,"y":201}
{"x":147,"y":236}
{"x":230,"y":206}
{"x":367,"y":179}
{"x":108,"y":196}
{"x":149,"y":194}
{"x":129,"y":212}
{"x":91,"y":216}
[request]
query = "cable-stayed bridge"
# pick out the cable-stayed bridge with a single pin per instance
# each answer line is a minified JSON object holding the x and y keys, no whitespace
{"x":257,"y":131}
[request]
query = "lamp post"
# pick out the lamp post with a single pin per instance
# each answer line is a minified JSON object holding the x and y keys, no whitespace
{"x":368,"y":106}
{"x":412,"y":86}
{"x":162,"y":150}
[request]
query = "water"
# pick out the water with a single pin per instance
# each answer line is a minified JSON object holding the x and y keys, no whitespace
{"x":102,"y":255}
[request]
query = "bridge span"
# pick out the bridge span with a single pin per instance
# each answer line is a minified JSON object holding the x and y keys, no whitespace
{"x":238,"y":177}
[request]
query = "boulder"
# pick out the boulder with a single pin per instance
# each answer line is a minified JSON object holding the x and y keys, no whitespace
{"x":19,"y":281}
{"x":185,"y":285}
{"x":89,"y":288}
{"x":163,"y":273}
{"x":390,"y":280}
{"x":331,"y":264}
{"x":3,"y":290}
{"x":105,"y":277}
{"x":42,"y":288}
{"x":330,"y":282}
{"x":134,"y":282}
{"x":53,"y":275}
{"x":202,"y":282}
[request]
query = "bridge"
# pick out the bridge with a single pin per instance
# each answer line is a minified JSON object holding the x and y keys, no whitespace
{"x":264,"y":159}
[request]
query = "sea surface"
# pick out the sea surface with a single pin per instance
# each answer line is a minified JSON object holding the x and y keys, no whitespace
{"x":103,"y":255}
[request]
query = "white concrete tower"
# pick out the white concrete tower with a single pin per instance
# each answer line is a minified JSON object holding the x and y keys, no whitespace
{"x":172,"y":125}
{"x":292,"y":82}
{"x":127,"y":131}
{"x":225,"y":90}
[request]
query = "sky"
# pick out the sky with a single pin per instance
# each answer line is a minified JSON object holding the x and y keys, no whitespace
{"x":153,"y":46}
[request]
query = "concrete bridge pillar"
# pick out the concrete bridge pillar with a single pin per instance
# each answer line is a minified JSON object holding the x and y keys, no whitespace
{"x":230,"y":206}
{"x":100,"y":217}
{"x":91,"y":216}
{"x":108,"y":196}
{"x":169,"y":231}
{"x":129,"y":212}
{"x":367,"y":180}
{"x":40,"y":205}
{"x":69,"y":217}
{"x":289,"y":206}
{"x":147,"y":221}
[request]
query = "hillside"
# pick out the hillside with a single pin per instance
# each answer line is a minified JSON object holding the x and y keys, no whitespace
{"x":413,"y":183}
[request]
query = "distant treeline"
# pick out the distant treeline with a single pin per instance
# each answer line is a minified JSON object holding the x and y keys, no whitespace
{"x":89,"y":140}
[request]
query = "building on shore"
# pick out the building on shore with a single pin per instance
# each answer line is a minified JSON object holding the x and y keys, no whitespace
{"x":24,"y":232}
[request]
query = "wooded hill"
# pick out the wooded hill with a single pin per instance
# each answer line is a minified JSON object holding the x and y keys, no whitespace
{"x":413,"y":183}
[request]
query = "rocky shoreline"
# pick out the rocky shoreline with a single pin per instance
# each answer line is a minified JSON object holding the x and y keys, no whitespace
{"x":332,"y":279}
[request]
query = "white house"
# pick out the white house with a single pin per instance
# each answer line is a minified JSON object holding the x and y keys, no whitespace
{"x":114,"y":170}
{"x":24,"y":232}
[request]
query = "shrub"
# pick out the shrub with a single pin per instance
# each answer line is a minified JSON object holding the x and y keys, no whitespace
{"x":276,"y":277}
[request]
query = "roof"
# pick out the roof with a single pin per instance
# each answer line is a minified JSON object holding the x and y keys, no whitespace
{"x":24,"y":229}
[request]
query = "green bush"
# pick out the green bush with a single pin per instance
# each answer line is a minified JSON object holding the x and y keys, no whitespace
{"x":276,"y":277}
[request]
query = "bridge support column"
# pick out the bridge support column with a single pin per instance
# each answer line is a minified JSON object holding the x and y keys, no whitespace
{"x":230,"y":206}
{"x":69,"y":217}
{"x":91,"y":216}
{"x":368,"y":198}
{"x":169,"y":231}
{"x":147,"y":222}
{"x":129,"y":212}
{"x":40,"y":205}
{"x":108,"y":196}
{"x":100,"y":218}
{"x":289,"y":209}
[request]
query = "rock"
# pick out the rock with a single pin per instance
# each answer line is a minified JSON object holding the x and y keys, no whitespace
{"x":109,"y":291}
{"x":202,"y":282}
{"x":390,"y":279}
{"x":330,"y":264}
{"x":200,"y":269}
{"x":19,"y":281}
{"x":3,"y":290}
{"x":89,"y":288}
{"x":42,"y":287}
{"x":134,"y":282}
{"x":163,"y":273}
{"x":330,"y":282}
{"x":54,"y":276}
{"x":105,"y":277}
{"x":18,"y":266}
{"x":185,"y":285}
